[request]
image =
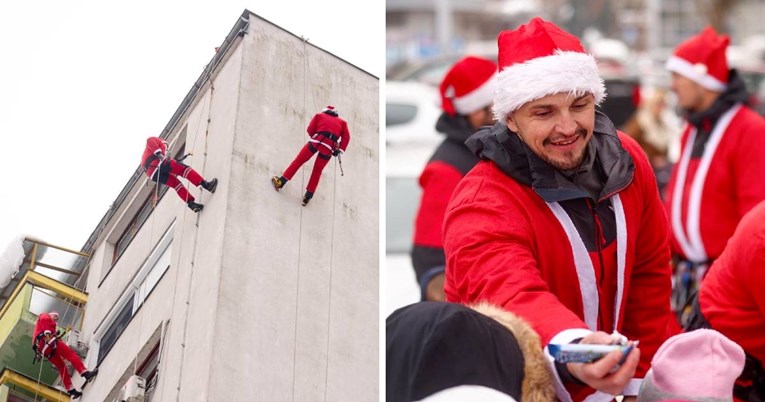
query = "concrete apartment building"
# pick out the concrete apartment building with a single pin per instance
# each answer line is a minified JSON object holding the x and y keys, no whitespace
{"x":256,"y":298}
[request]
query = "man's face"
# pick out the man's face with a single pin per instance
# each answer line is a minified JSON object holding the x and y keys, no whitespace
{"x":557,"y":127}
{"x":690,"y":95}
{"x":53,"y":316}
{"x":481,"y":117}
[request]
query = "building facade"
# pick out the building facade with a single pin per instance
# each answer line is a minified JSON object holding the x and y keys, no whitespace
{"x":256,"y":298}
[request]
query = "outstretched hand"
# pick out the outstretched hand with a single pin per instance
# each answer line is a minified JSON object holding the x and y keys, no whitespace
{"x":603,"y":374}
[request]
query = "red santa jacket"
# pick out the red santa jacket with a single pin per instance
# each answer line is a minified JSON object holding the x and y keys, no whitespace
{"x":506,"y":245}
{"x":149,"y":160}
{"x":732,"y":298}
{"x":328,"y":132}
{"x":707,"y":196}
{"x":451,"y":160}
{"x":44,"y":323}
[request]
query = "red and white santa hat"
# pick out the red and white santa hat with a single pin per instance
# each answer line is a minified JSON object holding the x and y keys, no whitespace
{"x":468,"y":86}
{"x":539,"y":59}
{"x":330,"y":110}
{"x":702,"y":59}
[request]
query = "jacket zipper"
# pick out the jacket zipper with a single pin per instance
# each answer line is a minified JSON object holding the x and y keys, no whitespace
{"x":599,"y":243}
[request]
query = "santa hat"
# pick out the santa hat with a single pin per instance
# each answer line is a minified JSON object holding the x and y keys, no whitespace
{"x":468,"y":86}
{"x":702,"y":60}
{"x":330,"y":110}
{"x":539,"y":59}
{"x":700,"y":365}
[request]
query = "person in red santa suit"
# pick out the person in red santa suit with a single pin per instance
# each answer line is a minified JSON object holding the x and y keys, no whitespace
{"x":732,"y":300}
{"x":467,"y":93}
{"x":561,"y":222}
{"x":155,"y":154}
{"x":329,"y":136}
{"x":718,"y":176}
{"x":46,"y":344}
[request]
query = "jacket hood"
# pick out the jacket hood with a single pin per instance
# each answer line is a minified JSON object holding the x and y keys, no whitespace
{"x":456,"y":128}
{"x":517,"y":160}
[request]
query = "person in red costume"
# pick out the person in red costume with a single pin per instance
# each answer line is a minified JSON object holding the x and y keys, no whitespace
{"x":46,"y":344}
{"x":467,"y":92}
{"x":155,"y":154}
{"x":718,"y":176}
{"x":561,"y":222}
{"x":732,"y":300}
{"x":329,"y":136}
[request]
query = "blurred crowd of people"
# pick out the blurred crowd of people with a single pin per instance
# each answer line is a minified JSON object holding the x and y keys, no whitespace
{"x":542,"y":223}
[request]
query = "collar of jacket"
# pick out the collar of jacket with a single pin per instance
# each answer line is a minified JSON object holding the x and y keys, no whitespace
{"x":456,"y":128}
{"x":606,"y":158}
{"x":733,"y":94}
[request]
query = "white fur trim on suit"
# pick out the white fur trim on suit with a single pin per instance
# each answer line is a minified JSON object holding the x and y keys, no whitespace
{"x":480,"y":97}
{"x":562,"y":72}
{"x":696,"y":74}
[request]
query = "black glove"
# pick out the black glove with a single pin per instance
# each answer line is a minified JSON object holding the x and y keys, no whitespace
{"x":337,"y":152}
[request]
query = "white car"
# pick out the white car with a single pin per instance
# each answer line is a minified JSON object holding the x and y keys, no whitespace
{"x":411,"y":111}
{"x":404,"y":163}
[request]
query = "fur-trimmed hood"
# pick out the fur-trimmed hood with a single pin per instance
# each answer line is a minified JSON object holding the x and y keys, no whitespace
{"x":436,"y":346}
{"x":537,"y":380}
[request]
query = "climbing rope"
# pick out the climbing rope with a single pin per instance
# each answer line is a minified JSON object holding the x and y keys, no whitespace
{"x":163,"y":362}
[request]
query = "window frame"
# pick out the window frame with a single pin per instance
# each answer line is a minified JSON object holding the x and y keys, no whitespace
{"x":127,"y":300}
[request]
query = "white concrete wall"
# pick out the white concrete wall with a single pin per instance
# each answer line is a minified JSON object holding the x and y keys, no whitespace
{"x":266,"y":299}
{"x":298,"y":307}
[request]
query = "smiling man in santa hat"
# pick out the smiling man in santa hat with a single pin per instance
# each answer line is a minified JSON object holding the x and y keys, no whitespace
{"x":719,"y":176}
{"x":467,"y":93}
{"x":561,"y":222}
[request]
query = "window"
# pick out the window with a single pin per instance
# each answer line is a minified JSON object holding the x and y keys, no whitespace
{"x":115,"y":330}
{"x":133,"y":297}
{"x":399,"y":113}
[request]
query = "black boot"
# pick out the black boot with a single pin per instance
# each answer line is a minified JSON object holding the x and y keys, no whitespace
{"x":210,"y":185}
{"x":278,"y":182}
{"x":90,"y":374}
{"x":194,"y":206}
{"x":307,"y":197}
{"x":74,"y":393}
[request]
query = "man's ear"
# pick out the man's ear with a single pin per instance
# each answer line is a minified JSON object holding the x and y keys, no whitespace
{"x":510,"y":121}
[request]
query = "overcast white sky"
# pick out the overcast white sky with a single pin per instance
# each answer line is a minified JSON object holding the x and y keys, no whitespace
{"x":84,"y":82}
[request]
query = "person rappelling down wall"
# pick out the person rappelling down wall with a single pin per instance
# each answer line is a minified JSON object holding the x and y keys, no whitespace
{"x":45,"y":343}
{"x":155,"y":155}
{"x":329,"y":136}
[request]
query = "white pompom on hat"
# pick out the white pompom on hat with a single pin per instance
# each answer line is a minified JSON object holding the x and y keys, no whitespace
{"x":331,"y":110}
{"x":539,"y":59}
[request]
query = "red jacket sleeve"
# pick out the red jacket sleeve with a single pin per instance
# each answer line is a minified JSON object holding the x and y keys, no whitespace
{"x":749,"y":165}
{"x":345,"y":137}
{"x":438,"y":181}
{"x":311,"y":129}
{"x":155,"y":143}
{"x":485,"y":238}
{"x":44,"y":323}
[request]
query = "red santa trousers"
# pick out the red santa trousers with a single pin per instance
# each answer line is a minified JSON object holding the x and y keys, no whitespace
{"x":168,"y":175}
{"x":63,"y":352}
{"x":302,"y":157}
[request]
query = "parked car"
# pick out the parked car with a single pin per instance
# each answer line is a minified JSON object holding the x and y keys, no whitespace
{"x":411,"y":111}
{"x":404,"y":162}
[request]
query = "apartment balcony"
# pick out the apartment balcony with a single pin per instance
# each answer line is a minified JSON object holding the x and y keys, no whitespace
{"x":47,"y":280}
